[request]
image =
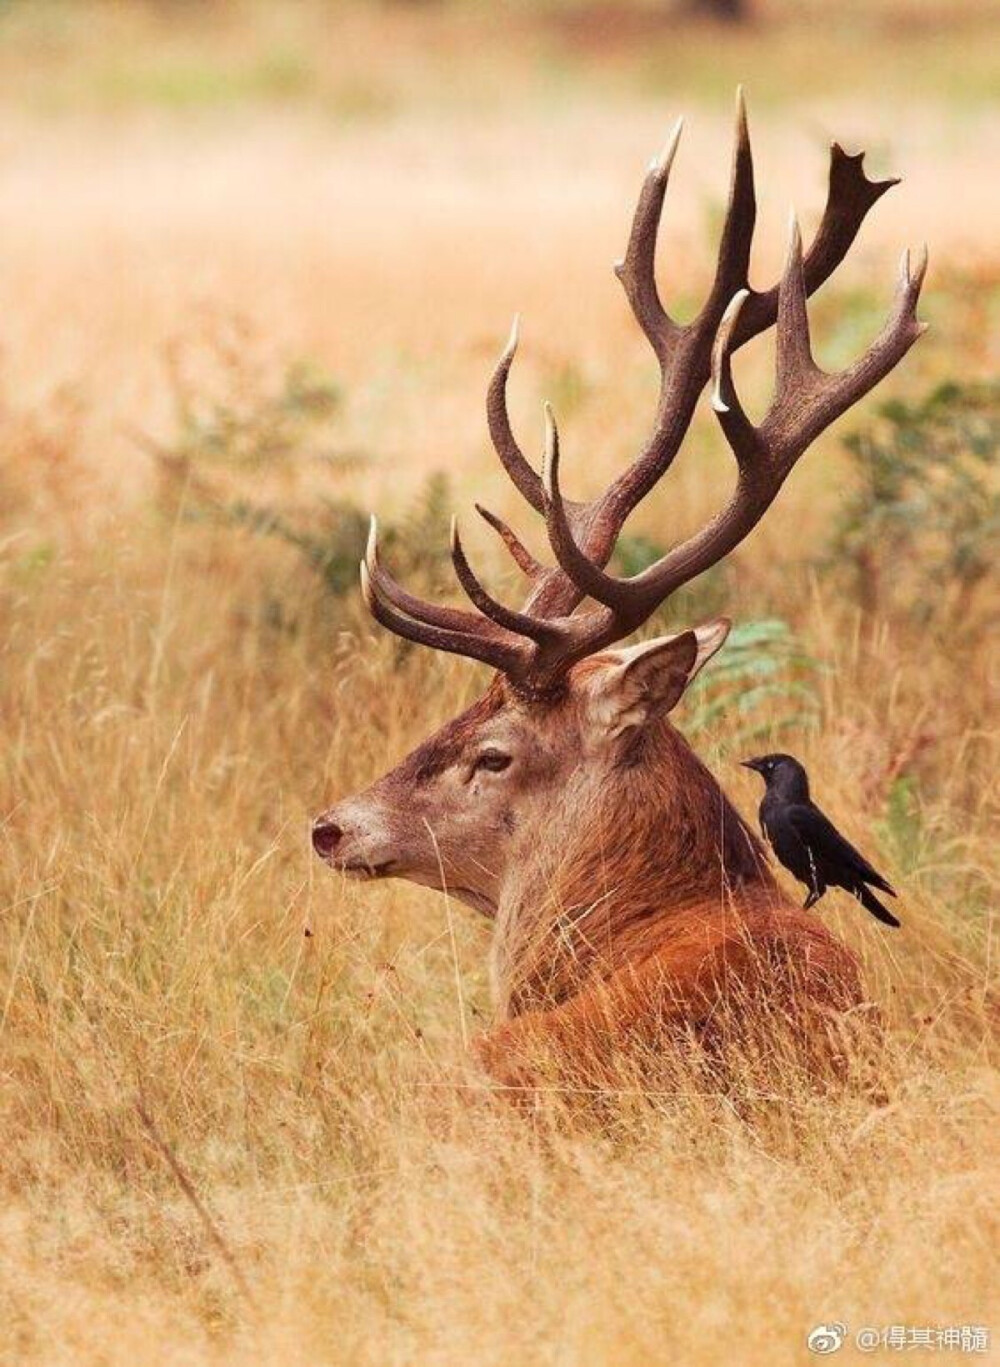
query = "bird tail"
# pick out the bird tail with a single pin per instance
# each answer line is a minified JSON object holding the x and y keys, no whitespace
{"x":871,"y":903}
{"x":881,"y":883}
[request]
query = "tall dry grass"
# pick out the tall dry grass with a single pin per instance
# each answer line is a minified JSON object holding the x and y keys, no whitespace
{"x":164,"y":751}
{"x":318,"y":1177}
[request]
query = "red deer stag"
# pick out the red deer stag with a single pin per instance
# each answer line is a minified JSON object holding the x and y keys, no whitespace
{"x":627,"y":896}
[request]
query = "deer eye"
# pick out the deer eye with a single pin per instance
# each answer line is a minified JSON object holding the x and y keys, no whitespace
{"x":493,"y":761}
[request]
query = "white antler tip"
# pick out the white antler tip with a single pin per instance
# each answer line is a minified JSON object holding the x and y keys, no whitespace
{"x":721,"y":348}
{"x":794,"y":234}
{"x":366,"y":586}
{"x":515,"y":336}
{"x":660,"y":165}
{"x":741,"y":107}
{"x":734,"y":306}
{"x":550,"y":460}
{"x":371,"y":549}
{"x":453,"y":534}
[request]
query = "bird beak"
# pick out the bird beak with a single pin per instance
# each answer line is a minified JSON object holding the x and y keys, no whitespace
{"x":751,"y":764}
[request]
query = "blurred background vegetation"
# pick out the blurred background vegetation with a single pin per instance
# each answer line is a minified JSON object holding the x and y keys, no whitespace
{"x":189,"y":54}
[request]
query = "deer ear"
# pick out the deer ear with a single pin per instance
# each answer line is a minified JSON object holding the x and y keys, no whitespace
{"x":647,"y":680}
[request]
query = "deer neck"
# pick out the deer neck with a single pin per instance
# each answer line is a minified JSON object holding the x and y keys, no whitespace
{"x":615,"y":871}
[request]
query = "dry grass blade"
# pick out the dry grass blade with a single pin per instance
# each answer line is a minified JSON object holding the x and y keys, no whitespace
{"x":186,"y":1185}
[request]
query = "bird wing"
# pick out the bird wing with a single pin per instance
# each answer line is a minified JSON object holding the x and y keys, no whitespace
{"x":829,"y":847}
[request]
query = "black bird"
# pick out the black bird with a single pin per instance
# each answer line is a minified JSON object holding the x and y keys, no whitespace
{"x":807,"y":842}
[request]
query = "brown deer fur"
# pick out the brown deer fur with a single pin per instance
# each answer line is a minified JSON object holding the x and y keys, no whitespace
{"x":627,"y":894}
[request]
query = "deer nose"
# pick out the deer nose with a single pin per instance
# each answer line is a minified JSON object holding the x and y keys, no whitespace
{"x":326,"y":836}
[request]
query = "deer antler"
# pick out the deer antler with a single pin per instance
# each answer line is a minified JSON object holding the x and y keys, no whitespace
{"x":536,"y":646}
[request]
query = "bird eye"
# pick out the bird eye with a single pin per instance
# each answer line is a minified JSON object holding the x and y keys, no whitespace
{"x":493,"y":761}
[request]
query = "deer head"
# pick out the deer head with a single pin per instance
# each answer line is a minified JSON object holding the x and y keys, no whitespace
{"x":567,"y":775}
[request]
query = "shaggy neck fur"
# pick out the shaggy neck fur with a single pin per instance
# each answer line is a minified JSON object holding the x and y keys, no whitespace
{"x":641,"y":849}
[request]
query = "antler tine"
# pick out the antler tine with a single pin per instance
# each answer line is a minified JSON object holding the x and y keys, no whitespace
{"x":451,"y":619}
{"x":683,"y":351}
{"x":586,"y":576}
{"x":805,"y":406}
{"x":737,"y":232}
{"x":637,"y":269}
{"x":794,"y":362}
{"x":508,"y":658}
{"x":512,"y":458}
{"x":849,"y":197}
{"x":536,"y":629}
{"x":519,"y":552}
{"x":527,"y":649}
{"x":725,"y":402}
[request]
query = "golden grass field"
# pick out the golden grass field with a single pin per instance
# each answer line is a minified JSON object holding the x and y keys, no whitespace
{"x":214,"y":193}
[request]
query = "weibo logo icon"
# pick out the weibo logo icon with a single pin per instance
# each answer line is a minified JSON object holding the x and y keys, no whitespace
{"x":827,"y":1338}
